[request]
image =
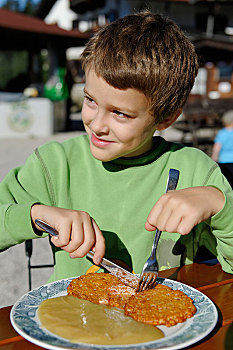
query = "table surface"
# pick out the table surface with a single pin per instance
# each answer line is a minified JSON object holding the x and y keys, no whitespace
{"x":210,"y":280}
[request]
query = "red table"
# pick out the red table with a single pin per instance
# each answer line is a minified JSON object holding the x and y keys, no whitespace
{"x":210,"y":280}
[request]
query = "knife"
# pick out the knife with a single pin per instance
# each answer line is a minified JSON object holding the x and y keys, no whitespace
{"x":128,"y":278}
{"x":125,"y":276}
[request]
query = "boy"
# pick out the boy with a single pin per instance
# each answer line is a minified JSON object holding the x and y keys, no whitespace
{"x":104,"y":190}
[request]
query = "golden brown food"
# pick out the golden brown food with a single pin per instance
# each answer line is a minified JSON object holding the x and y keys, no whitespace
{"x":160,"y":306}
{"x":119,"y":295}
{"x":93,"y":287}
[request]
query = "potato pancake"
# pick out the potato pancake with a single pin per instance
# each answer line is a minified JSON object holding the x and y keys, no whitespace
{"x":119,"y":295}
{"x":160,"y":306}
{"x":93,"y":287}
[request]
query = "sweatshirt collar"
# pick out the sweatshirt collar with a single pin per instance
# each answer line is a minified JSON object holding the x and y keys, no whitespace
{"x":158,"y":148}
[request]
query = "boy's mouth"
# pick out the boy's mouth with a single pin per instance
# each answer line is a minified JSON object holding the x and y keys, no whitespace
{"x":96,"y":141}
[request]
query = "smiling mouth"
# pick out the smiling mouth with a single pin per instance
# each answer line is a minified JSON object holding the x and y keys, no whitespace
{"x":99,"y":142}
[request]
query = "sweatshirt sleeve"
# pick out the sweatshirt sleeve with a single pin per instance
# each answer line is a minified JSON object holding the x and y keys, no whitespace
{"x":21,"y":188}
{"x":222,"y":223}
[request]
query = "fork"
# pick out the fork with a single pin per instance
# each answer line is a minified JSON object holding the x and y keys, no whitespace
{"x":149,"y":273}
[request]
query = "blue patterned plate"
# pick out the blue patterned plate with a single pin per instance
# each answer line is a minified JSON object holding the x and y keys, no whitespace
{"x":25,"y":321}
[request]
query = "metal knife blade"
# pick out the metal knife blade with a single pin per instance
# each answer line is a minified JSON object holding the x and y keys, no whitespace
{"x":125,"y":276}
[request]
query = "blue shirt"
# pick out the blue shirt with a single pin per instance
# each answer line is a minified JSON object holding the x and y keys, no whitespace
{"x":225,"y":138}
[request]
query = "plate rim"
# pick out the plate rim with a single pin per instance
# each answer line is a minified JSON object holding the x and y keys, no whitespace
{"x":139,"y":346}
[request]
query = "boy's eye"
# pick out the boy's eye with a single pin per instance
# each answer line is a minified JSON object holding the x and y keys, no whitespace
{"x":121,"y":115}
{"x":89,"y":99}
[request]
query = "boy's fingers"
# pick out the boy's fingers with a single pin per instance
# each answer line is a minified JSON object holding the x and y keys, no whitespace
{"x":172,"y":222}
{"x":99,"y":244}
{"x":186,"y":225}
{"x":76,"y":238}
{"x":63,"y":237}
{"x":149,"y":227}
{"x":153,"y":218}
{"x":80,"y":250}
{"x":80,"y":235}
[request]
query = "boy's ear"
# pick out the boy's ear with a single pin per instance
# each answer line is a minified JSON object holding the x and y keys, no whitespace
{"x":168,"y":120}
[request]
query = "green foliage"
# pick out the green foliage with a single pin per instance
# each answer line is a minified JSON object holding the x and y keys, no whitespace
{"x":30,"y":7}
{"x":12,"y":64}
{"x":14,"y":5}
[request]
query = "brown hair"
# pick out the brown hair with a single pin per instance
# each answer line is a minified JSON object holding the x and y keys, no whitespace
{"x":146,"y":52}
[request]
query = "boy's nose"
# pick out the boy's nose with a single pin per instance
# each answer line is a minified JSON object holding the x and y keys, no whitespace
{"x":99,"y":123}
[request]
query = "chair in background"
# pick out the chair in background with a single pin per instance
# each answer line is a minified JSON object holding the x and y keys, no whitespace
{"x":28,"y":250}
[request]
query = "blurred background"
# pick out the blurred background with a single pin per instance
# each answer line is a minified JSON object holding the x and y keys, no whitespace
{"x":41,"y":89}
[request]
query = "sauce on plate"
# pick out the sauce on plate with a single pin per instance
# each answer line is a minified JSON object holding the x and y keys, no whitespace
{"x":81,"y":321}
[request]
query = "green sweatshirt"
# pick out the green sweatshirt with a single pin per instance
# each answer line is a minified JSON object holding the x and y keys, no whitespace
{"x":119,"y":195}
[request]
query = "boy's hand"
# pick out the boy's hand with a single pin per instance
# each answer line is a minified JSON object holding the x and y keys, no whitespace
{"x":179,"y":211}
{"x":78,"y":232}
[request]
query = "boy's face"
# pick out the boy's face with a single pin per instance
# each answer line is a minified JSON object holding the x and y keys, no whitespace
{"x":117,"y":121}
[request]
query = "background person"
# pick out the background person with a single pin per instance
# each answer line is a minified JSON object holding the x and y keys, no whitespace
{"x":223,"y":147}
